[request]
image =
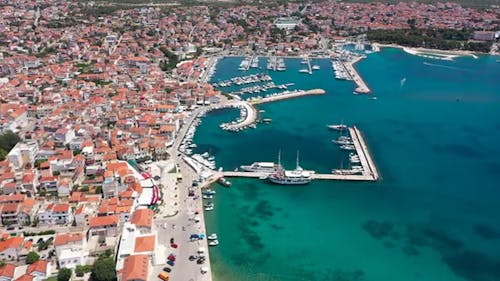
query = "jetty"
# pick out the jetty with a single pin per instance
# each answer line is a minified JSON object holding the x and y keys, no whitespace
{"x":362,"y":86}
{"x":249,"y":117}
{"x":288,"y":95}
{"x":370,"y":172}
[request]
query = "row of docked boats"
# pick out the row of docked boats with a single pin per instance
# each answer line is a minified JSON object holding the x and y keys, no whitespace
{"x":284,"y":93}
{"x":205,"y":159}
{"x":263,"y":88}
{"x":187,"y":144}
{"x":248,"y":62}
{"x":244,"y":80}
{"x":276,"y":64}
{"x":345,"y":143}
{"x":233,"y":125}
{"x":340,"y":70}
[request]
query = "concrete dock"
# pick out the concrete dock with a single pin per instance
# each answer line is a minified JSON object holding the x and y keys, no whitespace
{"x":289,"y":96}
{"x":362,"y":86}
{"x":250,"y":118}
{"x":370,"y":172}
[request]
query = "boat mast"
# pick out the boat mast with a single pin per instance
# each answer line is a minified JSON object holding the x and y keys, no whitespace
{"x":297,"y":160}
{"x":279,"y":158}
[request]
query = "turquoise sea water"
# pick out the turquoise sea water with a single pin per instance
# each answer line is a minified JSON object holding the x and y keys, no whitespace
{"x":435,"y":215}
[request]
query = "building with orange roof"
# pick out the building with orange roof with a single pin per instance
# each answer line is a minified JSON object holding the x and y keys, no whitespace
{"x":143,"y":220}
{"x":71,"y":249}
{"x":7,"y":272}
{"x":12,"y":248}
{"x":133,"y":242}
{"x":40,"y":269}
{"x":26,"y":277}
{"x":55,"y":214}
{"x":104,"y":226}
{"x":136,"y":268}
{"x":145,"y":244}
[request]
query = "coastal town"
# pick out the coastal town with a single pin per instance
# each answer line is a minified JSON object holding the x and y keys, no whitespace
{"x":104,"y":102}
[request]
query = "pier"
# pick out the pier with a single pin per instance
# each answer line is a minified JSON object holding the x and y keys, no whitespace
{"x":362,"y":86}
{"x":250,"y":117}
{"x":369,"y":173}
{"x":369,"y":168}
{"x":288,"y":96}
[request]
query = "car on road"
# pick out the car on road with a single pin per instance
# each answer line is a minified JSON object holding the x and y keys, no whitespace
{"x":167,"y":269}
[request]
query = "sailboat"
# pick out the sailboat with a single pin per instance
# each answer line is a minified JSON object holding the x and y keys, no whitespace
{"x":290,"y":177}
{"x":338,"y":127}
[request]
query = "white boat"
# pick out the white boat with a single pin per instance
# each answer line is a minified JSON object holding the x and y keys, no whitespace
{"x":347,"y":147}
{"x":212,"y":236}
{"x":205,"y":155}
{"x":208,"y":196}
{"x":209,"y":192}
{"x":266,"y":167}
{"x":209,"y":208}
{"x":338,"y":127}
{"x":304,"y":70}
{"x":316,"y":67}
{"x":213,"y":243}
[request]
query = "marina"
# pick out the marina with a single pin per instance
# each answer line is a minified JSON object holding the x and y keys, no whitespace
{"x":244,"y":80}
{"x":367,"y":167}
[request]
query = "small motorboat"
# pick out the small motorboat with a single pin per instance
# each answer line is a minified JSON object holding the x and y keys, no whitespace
{"x":209,"y":208}
{"x":209,"y":192}
{"x":208,"y":196}
{"x":213,"y":243}
{"x":212,"y":236}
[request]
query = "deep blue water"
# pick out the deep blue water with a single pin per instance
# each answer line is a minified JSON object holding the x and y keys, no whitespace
{"x":435,"y":215}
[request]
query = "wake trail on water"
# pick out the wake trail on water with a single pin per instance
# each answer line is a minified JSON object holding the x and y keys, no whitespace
{"x":446,"y":66}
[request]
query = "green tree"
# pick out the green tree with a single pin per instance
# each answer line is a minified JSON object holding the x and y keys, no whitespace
{"x":32,"y":257}
{"x":103,"y":270}
{"x":8,"y":140}
{"x":64,"y":274}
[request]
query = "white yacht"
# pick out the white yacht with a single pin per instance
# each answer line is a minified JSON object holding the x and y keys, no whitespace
{"x":266,"y":167}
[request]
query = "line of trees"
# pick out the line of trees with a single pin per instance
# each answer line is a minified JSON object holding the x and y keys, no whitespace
{"x":444,"y":39}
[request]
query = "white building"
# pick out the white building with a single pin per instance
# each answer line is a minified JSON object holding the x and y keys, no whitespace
{"x":23,"y":153}
{"x":71,"y":249}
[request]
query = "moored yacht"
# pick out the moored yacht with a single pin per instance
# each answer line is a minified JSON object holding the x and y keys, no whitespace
{"x":266,"y":167}
{"x":338,"y":127}
{"x":293,"y":177}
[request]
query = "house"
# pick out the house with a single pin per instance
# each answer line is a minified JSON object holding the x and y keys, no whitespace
{"x":136,"y":268}
{"x":40,"y":269}
{"x":56,"y":214}
{"x":11,"y":248}
{"x":64,"y":187}
{"x":7,"y":272}
{"x":104,"y":226}
{"x":26,"y":277}
{"x":22,"y":154}
{"x":143,"y":220}
{"x":71,"y":249}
